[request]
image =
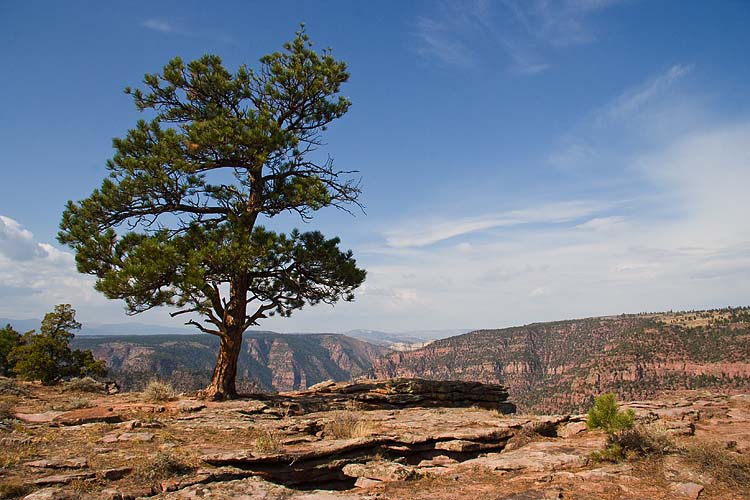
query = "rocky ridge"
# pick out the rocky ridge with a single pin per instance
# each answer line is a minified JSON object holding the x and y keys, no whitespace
{"x":561,"y":366}
{"x":385,"y":439}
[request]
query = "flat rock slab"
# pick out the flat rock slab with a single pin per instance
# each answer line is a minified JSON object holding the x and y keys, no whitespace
{"x":51,"y":494}
{"x":380,"y":471}
{"x":115,"y":473}
{"x":88,"y":415}
{"x":63,"y":478}
{"x":142,"y":437}
{"x":38,"y":418}
{"x":532,"y":461}
{"x":70,"y":463}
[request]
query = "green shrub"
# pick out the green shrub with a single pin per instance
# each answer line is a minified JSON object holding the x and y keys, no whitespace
{"x":606,"y":415}
{"x":158,"y":392}
{"x":84,"y":384}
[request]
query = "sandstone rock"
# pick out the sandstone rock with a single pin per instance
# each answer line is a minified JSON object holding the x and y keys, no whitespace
{"x":113,"y":437}
{"x":115,"y":473}
{"x":51,"y":494}
{"x":63,"y":478}
{"x":381,"y":471}
{"x":533,"y":461}
{"x":190,"y":406}
{"x":364,"y":482}
{"x":70,"y":463}
{"x":87,"y":415}
{"x":38,"y":418}
{"x":110,"y":494}
{"x":686,"y":490}
{"x":571,"y":429}
{"x":458,"y":445}
{"x":438,"y":461}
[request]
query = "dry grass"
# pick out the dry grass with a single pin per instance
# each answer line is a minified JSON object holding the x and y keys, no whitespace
{"x":727,"y":466}
{"x":158,"y":392}
{"x":345,"y":425}
{"x":267,"y":441}
{"x":11,"y":387}
{"x":10,"y":490}
{"x":73,"y":404}
{"x":6,"y":410}
{"x":163,"y":465}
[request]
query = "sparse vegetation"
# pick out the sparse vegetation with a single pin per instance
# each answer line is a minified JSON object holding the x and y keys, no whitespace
{"x":267,"y":441}
{"x":11,"y":387}
{"x":345,"y":425}
{"x":6,"y":410}
{"x":727,"y":466}
{"x":158,"y":392}
{"x":163,"y":465}
{"x":9,"y":491}
{"x":606,"y":415}
{"x":83,"y":384}
{"x":634,"y":442}
{"x":74,"y":404}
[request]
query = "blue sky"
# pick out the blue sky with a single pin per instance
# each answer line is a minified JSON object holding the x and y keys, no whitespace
{"x":521,"y":160}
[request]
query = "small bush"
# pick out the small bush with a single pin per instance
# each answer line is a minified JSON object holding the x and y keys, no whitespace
{"x":84,"y":384}
{"x":10,"y":491}
{"x":6,"y":410}
{"x":10,"y":387}
{"x":164,"y":465}
{"x":606,"y":415}
{"x":345,"y":425}
{"x":639,"y":441}
{"x":73,"y":404}
{"x":267,"y":441}
{"x":158,"y":392}
{"x":727,"y":466}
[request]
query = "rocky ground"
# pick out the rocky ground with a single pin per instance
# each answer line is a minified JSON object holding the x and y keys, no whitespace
{"x":389,"y":439}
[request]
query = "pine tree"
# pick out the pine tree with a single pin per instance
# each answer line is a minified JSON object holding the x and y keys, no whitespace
{"x":176,"y":223}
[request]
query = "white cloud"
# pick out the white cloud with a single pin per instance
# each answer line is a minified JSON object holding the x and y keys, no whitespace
{"x":158,"y":25}
{"x":17,"y":243}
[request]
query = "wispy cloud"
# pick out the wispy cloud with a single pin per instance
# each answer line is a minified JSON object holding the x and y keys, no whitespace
{"x":562,"y":23}
{"x":423,"y":234}
{"x":158,"y":25}
{"x":635,"y":98}
{"x":465,"y":33}
{"x":655,"y":108}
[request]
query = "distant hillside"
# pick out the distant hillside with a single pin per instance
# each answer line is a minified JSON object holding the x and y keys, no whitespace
{"x":560,"y":366}
{"x":402,"y":341}
{"x":269,"y":361}
{"x":24,"y":325}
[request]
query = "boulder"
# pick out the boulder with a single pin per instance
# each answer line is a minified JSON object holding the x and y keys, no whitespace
{"x":380,"y":471}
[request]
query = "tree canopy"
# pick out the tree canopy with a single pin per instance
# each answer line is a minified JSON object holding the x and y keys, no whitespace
{"x":176,"y":221}
{"x":47,"y":356}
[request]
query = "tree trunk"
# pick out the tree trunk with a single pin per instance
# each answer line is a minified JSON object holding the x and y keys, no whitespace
{"x":222,"y":384}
